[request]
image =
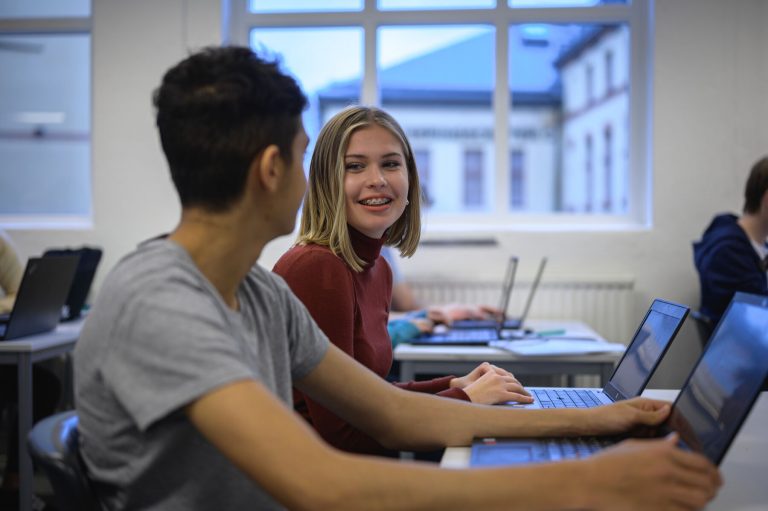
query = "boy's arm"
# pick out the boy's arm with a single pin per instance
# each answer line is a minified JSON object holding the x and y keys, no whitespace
{"x":390,"y":414}
{"x":271,"y":444}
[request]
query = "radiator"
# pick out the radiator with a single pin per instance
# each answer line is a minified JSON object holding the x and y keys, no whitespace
{"x":606,"y":305}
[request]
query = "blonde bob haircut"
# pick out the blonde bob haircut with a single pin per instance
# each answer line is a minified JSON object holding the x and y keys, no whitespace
{"x":324,"y":218}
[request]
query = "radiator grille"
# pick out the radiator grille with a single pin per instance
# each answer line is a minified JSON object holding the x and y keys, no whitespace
{"x":606,"y":306}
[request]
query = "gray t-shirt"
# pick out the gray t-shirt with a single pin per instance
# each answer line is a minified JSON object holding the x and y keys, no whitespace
{"x":159,"y":337}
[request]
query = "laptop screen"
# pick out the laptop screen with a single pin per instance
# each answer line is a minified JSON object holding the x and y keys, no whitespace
{"x":644,"y":353}
{"x":507,"y":286}
{"x":726,"y":380}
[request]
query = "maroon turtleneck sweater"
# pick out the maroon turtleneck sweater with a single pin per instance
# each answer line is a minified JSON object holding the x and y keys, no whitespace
{"x":352,"y":309}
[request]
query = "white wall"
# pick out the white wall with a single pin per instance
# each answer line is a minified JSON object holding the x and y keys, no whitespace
{"x":709,"y":108}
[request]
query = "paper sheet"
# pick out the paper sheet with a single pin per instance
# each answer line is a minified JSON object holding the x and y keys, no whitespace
{"x":559,"y":346}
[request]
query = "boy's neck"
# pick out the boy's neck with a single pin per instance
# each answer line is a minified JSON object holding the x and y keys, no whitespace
{"x":221,"y":247}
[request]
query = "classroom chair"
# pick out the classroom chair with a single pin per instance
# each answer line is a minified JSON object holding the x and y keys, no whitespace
{"x":53,"y":446}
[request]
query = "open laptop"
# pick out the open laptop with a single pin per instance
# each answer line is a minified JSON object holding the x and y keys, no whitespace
{"x":652,"y":338}
{"x":709,"y":410}
{"x":89,"y":258}
{"x":42,"y":292}
{"x":508,"y":284}
{"x":482,"y":336}
{"x":511,"y":323}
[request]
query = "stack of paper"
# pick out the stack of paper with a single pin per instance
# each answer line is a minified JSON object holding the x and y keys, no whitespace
{"x":558,"y":346}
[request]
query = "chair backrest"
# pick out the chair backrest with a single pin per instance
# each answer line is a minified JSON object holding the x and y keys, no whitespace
{"x":53,"y":446}
{"x":704,"y":326}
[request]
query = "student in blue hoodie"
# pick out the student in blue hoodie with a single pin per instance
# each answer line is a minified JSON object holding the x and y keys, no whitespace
{"x":733,"y":251}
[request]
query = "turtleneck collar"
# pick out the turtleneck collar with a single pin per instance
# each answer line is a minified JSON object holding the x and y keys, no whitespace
{"x":367,"y":249}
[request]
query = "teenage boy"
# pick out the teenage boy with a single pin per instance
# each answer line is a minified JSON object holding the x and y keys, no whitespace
{"x":732,"y":255}
{"x":185,"y":365}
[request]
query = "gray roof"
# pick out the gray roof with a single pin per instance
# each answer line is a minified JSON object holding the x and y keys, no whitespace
{"x":462,"y":73}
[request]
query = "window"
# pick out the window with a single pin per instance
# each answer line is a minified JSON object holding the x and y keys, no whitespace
{"x":517,"y":179}
{"x":608,"y":72}
{"x":421,"y":156}
{"x":589,"y":181}
{"x":608,"y":169}
{"x":45,"y":119}
{"x":473,"y":178}
{"x":489,"y":94}
{"x":590,"y":84}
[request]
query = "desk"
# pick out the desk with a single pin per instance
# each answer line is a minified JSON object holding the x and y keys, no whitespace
{"x":743,"y":469}
{"x":462,"y":359}
{"x":23,"y":353}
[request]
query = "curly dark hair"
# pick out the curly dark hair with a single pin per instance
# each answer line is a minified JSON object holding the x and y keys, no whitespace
{"x":216,"y":111}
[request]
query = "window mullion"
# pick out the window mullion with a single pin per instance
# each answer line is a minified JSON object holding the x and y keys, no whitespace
{"x":369,"y":95}
{"x":501,"y":106}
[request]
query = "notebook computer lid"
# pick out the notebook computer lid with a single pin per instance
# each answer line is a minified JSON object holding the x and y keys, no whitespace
{"x":509,"y":285}
{"x":726,"y":381}
{"x":645,"y":351}
{"x":42,"y":292}
{"x":534,"y":288}
{"x":89,"y":258}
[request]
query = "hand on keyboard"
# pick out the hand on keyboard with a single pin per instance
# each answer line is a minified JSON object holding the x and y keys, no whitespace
{"x":489,"y":384}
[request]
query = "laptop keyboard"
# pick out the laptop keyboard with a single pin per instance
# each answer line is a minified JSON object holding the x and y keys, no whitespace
{"x":581,"y":447}
{"x":565,"y":398}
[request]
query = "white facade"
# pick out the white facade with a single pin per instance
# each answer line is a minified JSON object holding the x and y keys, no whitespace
{"x":595,"y":127}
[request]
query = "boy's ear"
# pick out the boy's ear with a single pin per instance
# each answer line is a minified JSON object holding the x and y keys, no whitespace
{"x":267,"y":169}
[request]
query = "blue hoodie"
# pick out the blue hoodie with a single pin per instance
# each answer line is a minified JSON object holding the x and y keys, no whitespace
{"x":727,"y":262}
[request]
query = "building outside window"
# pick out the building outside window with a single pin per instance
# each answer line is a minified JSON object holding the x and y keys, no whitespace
{"x":461,"y":74}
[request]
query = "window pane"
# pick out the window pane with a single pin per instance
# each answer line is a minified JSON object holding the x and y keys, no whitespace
{"x":436,"y":4}
{"x":473,"y":178}
{"x":517,"y":179}
{"x":45,"y":125}
{"x":44,"y":8}
{"x":444,"y":112}
{"x":330,"y":74}
{"x":563,"y":3}
{"x":304,"y":5}
{"x":564,"y":101}
{"x":423,"y":165}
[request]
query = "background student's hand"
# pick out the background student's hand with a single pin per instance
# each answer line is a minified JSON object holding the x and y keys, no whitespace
{"x":637,"y":415}
{"x":488,"y":384}
{"x":424,"y":325}
{"x":456,"y":312}
{"x":651,"y":474}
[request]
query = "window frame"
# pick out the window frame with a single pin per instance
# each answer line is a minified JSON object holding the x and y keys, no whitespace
{"x":637,"y":15}
{"x":48,"y":26}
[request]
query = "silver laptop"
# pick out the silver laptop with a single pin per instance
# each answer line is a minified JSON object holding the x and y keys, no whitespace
{"x":708,"y":412}
{"x":652,"y":338}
